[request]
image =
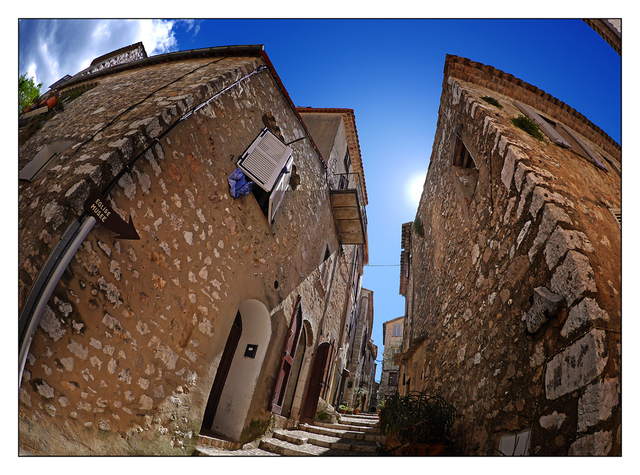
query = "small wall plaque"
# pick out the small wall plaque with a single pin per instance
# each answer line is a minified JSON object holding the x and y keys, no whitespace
{"x":251,"y":351}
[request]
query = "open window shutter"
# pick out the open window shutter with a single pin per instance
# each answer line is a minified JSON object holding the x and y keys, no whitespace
{"x":582,"y":145}
{"x":549,"y":131}
{"x":277,"y":194}
{"x":264,"y":159}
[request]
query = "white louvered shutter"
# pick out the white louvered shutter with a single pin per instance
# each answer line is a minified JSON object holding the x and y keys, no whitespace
{"x":279,"y":190}
{"x":264,"y":159}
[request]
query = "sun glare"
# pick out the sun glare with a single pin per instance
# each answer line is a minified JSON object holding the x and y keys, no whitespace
{"x":414,"y":191}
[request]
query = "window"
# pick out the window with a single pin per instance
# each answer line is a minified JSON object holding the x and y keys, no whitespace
{"x":393,"y":378}
{"x":397,"y":331}
{"x":465,"y":170}
{"x":268,"y":163}
{"x":325,"y":273}
{"x":561,"y":135}
{"x":617,"y":214}
{"x":347,"y":162}
{"x":264,"y":159}
{"x":547,"y":128}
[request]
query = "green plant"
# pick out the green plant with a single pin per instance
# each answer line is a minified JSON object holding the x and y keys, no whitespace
{"x":417,"y":226}
{"x":28,"y":92}
{"x":528,"y":125}
{"x":322,"y":415}
{"x":358,"y":398}
{"x":416,"y":419}
{"x":492,"y":101}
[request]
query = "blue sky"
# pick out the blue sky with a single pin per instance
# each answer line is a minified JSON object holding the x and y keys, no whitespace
{"x":389,"y":71}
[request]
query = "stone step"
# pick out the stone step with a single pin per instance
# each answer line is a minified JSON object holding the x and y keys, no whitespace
{"x":366,"y":428}
{"x":302,"y":437}
{"x":344,"y":434}
{"x":358,"y":421}
{"x":282,"y":447}
{"x":210,"y":441}
{"x":218,"y":451}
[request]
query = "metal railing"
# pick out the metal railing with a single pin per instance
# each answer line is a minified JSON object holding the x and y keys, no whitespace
{"x":350,"y":181}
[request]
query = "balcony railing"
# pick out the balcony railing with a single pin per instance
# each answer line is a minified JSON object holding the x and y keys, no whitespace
{"x":347,"y":201}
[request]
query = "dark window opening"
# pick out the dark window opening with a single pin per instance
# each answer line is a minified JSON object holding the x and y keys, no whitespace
{"x":347,"y":162}
{"x":461,"y":156}
{"x":465,"y":170}
{"x":393,"y":378}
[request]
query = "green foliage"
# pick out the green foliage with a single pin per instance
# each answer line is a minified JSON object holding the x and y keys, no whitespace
{"x":528,"y":125}
{"x":417,"y":418}
{"x":28,"y":92}
{"x":322,"y":415}
{"x":417,"y":227}
{"x":492,"y":101}
{"x":74,"y":94}
{"x":255,"y":429}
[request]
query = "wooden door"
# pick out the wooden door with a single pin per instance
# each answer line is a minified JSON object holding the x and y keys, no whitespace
{"x":315,"y":384}
{"x":326,"y":379}
{"x":290,"y":348}
{"x":222,"y":373}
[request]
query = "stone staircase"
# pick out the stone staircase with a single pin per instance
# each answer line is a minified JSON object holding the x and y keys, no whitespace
{"x":352,"y":435}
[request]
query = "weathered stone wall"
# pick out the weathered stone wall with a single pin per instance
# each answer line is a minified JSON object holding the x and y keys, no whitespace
{"x":392,"y":346}
{"x":128,"y":346}
{"x":539,"y":217}
{"x":356,"y":367}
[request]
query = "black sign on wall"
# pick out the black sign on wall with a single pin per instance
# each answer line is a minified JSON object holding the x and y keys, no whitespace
{"x":97,"y":206}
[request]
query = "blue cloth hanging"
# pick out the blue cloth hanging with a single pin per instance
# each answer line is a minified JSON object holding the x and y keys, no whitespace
{"x":239,"y":185}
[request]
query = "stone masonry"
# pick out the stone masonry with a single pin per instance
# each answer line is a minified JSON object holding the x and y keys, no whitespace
{"x":127,"y":349}
{"x":513,"y":296}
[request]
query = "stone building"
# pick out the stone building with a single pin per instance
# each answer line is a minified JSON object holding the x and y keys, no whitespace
{"x":511,"y":271}
{"x":392,"y":339}
{"x":214,"y":307}
{"x":362,"y":355}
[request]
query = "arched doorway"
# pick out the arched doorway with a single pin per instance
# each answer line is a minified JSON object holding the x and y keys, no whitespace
{"x":237,"y":387}
{"x":317,"y":381}
{"x":287,"y":362}
{"x":222,"y":373}
{"x":297,"y":367}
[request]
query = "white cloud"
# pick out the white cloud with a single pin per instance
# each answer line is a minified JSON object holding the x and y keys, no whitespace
{"x":49,"y":49}
{"x":157,"y":36}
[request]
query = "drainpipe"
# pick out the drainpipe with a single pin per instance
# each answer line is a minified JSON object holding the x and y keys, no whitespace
{"x":47,"y":280}
{"x":71,"y":240}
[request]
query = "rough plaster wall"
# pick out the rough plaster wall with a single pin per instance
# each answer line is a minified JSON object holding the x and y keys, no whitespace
{"x":476,"y":266}
{"x":124,"y":359}
{"x":392,"y":344}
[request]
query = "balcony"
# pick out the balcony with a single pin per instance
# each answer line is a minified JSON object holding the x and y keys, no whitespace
{"x":347,"y":203}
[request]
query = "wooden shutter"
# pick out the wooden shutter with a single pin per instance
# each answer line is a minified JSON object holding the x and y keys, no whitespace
{"x":586,"y":149}
{"x":277,"y":194}
{"x":264,"y":159}
{"x":549,"y":131}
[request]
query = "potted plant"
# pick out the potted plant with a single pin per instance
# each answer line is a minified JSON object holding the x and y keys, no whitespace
{"x":342,"y":409}
{"x":357,"y":401}
{"x":417,"y":424}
